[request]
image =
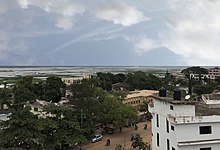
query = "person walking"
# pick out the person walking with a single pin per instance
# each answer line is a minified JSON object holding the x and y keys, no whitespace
{"x":120,"y":129}
{"x":108,"y":142}
{"x":136,"y":127}
{"x":145,"y":127}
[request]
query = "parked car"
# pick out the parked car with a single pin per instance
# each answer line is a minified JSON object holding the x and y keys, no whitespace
{"x":96,"y":137}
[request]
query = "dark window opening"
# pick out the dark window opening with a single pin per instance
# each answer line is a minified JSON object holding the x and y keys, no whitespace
{"x":157,"y":117}
{"x":168,"y":144}
{"x":206,"y":148}
{"x":158,"y":140}
{"x":167,"y":123}
{"x":205,"y":130}
{"x":172,"y":128}
{"x":171,"y":107}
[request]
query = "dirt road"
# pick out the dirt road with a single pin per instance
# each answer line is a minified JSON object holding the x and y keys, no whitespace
{"x":123,"y":138}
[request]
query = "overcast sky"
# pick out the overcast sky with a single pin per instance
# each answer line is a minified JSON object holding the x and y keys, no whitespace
{"x":110,"y":32}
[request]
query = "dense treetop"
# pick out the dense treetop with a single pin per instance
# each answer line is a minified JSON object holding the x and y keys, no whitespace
{"x":195,"y":70}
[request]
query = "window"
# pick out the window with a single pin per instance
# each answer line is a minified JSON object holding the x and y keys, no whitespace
{"x":171,"y":107}
{"x":168,"y":144}
{"x":205,"y":130}
{"x":172,"y":127}
{"x":173,"y":148}
{"x":167,"y":123}
{"x":157,"y":121}
{"x":158,"y":139}
{"x":206,"y":148}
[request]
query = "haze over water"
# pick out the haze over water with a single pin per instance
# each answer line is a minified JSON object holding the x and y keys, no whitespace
{"x":77,"y":70}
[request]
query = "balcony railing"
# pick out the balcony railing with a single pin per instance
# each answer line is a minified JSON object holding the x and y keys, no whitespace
{"x":192,"y":119}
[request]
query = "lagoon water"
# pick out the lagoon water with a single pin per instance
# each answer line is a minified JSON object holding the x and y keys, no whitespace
{"x":12,"y":71}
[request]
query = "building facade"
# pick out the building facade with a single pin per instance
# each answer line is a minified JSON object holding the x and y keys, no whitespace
{"x":180,"y":124}
{"x":214,"y":72}
{"x":202,"y":76}
{"x":136,"y":98}
{"x":71,"y":80}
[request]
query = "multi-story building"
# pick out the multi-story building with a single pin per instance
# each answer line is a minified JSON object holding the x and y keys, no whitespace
{"x":184,"y":124}
{"x":198,"y":76}
{"x":38,"y":107}
{"x":214,"y":72}
{"x":120,"y":87}
{"x":135,"y":98}
{"x":72,"y":80}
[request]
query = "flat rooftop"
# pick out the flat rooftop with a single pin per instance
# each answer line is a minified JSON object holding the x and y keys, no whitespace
{"x":204,"y":110}
{"x":212,"y":96}
{"x":143,"y":93}
{"x":201,"y":109}
{"x":175,"y":102}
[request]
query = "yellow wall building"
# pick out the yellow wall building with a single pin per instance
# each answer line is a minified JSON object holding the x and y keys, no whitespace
{"x":135,"y":98}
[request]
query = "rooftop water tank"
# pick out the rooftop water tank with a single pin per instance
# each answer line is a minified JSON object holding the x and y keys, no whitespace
{"x":177,"y":94}
{"x":162,"y":92}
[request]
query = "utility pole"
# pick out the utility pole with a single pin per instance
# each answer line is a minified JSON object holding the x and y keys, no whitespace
{"x":81,"y":117}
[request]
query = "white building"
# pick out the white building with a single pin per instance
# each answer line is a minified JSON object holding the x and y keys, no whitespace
{"x":4,"y":116}
{"x":71,"y":80}
{"x":214,"y":72}
{"x":202,"y":76}
{"x":184,"y":124}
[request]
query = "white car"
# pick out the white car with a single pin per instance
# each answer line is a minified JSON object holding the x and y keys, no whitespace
{"x":97,"y":137}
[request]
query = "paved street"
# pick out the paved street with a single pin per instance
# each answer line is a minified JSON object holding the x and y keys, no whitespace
{"x":123,"y":138}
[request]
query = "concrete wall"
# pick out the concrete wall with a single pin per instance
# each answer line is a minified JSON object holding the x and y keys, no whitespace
{"x":162,"y":109}
{"x":184,"y":131}
{"x":197,"y":147}
{"x":190,"y":132}
{"x":178,"y":110}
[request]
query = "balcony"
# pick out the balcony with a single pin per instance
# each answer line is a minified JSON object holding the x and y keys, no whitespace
{"x":193,"y":119}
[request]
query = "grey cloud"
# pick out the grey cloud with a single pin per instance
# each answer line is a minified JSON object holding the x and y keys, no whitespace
{"x":64,"y":10}
{"x":119,"y":13}
{"x":193,"y":31}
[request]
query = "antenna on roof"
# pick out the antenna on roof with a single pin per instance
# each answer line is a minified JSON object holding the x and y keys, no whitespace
{"x":187,"y":97}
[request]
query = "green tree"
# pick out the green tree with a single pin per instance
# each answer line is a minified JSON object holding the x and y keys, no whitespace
{"x":143,"y":107}
{"x":86,"y":104}
{"x":194,"y":70}
{"x":138,"y":142}
{"x":21,"y":131}
{"x":23,"y":92}
{"x":84,"y":97}
{"x":53,"y":89}
{"x":113,"y":111}
{"x":119,"y":147}
{"x":26,"y":82}
{"x":25,"y":130}
{"x":107,"y":79}
{"x":5,"y":98}
{"x":120,"y":95}
{"x":140,"y":80}
{"x":203,"y":89}
{"x":39,"y":90}
{"x":61,"y":127}
{"x":217,"y":80}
